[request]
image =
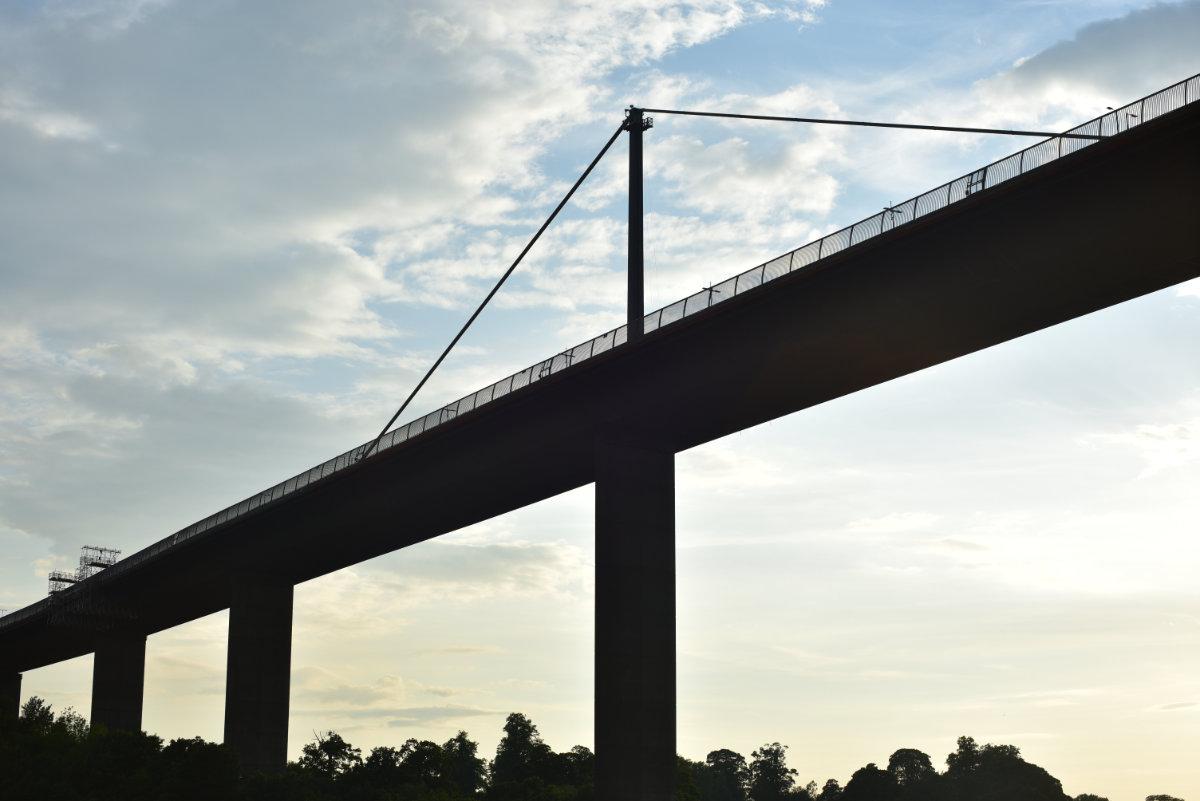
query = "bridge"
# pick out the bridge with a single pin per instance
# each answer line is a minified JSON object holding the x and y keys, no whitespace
{"x":1101,"y":214}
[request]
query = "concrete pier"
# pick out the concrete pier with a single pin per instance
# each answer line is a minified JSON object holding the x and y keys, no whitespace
{"x":635,"y":622}
{"x":259,"y":669}
{"x":118,"y":679}
{"x":10,"y":695}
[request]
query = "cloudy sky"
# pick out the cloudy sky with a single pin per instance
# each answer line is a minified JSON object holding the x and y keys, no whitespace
{"x":235,"y":233}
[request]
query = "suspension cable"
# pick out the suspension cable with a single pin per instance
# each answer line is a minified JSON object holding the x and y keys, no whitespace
{"x":907,"y":126}
{"x":375,"y":442}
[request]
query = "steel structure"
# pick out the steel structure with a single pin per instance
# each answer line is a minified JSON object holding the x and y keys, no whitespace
{"x":92,"y":559}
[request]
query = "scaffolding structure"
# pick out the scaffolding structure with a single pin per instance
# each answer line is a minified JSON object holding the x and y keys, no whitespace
{"x":92,"y":559}
{"x":61,"y":579}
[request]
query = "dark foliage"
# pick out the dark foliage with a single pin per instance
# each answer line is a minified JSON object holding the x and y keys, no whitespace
{"x":46,"y":757}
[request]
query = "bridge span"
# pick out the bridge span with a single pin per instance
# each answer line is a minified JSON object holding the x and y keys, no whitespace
{"x":1060,"y":230}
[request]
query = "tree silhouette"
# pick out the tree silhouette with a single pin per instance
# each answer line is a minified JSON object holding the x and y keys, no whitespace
{"x":870,"y":783}
{"x":520,"y":752}
{"x":330,"y":756}
{"x":464,"y":771}
{"x":831,"y":791}
{"x":726,"y":776}
{"x":36,"y":714}
{"x":770,"y":777}
{"x":196,"y":770}
{"x":909,"y":766}
{"x":965,"y":759}
{"x":44,"y":756}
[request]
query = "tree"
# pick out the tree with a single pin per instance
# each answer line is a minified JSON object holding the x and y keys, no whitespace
{"x":909,"y":766}
{"x":999,"y":773}
{"x":1089,"y":797}
{"x":688,"y":774}
{"x":521,"y":754}
{"x":197,"y":770}
{"x":770,"y":777}
{"x":72,"y":724}
{"x":36,"y":714}
{"x":421,"y":763}
{"x":832,"y":791}
{"x":329,"y":755}
{"x":574,"y":768}
{"x":462,"y":769}
{"x":870,"y":783}
{"x":1162,"y":798}
{"x":966,"y":758}
{"x":381,"y":768}
{"x":727,"y":776}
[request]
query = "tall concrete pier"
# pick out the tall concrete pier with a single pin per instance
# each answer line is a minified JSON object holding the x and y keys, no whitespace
{"x":118,"y":677}
{"x":635,"y":621}
{"x":10,"y":695}
{"x":259,"y":669}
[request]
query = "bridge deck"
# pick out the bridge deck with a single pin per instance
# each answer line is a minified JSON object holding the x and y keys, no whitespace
{"x":1107,"y":223}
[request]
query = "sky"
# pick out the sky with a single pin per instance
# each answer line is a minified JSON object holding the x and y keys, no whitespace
{"x":236,"y":233}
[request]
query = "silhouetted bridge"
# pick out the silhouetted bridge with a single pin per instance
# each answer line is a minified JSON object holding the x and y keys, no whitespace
{"x":1063,"y":228}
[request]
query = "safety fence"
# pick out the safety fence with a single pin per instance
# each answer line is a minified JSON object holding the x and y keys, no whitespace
{"x":1113,"y":123}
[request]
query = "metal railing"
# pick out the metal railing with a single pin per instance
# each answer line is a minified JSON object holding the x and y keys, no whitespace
{"x":1113,"y":123}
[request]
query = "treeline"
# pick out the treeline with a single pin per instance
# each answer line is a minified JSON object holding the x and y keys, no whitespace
{"x":47,"y":757}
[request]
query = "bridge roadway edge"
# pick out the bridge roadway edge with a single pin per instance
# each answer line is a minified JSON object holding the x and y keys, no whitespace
{"x":1052,"y":245}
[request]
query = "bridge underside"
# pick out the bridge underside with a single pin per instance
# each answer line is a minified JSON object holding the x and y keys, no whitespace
{"x":1112,"y":222}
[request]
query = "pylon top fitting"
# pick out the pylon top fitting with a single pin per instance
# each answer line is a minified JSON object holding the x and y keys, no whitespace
{"x":647,"y":122}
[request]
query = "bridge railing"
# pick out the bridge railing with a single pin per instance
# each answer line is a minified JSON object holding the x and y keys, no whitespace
{"x":1113,"y":123}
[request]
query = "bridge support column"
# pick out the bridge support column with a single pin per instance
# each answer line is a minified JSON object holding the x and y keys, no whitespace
{"x":258,"y":673}
{"x":10,"y":696}
{"x":635,"y":622}
{"x":118,"y":680}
